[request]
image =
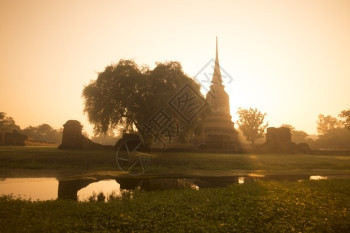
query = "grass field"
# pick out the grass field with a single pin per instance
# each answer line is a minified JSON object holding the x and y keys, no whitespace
{"x":261,"y":206}
{"x":41,"y":159}
{"x":308,"y":206}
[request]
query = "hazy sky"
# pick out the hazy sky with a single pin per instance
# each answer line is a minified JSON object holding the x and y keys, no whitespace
{"x":290,"y":59}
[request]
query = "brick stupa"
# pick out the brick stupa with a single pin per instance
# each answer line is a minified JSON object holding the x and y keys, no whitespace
{"x":219,"y":131}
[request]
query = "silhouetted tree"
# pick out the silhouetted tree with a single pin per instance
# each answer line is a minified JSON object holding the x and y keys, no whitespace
{"x":335,"y":139}
{"x":288,"y":126}
{"x":333,"y":133}
{"x":128,"y":95}
{"x":251,"y":122}
{"x":7,"y":124}
{"x":44,"y":133}
{"x":297,"y":135}
{"x":346,"y":115}
{"x":327,"y":123}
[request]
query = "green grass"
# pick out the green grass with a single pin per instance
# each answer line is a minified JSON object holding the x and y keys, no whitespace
{"x":163,"y":163}
{"x":251,"y":161}
{"x":310,"y":206}
{"x":52,"y":158}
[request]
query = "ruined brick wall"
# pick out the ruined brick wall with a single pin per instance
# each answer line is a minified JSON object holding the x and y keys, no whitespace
{"x":278,"y":136}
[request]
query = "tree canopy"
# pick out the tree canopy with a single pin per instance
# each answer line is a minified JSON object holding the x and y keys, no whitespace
{"x":251,"y":122}
{"x":7,"y":124}
{"x":327,"y":123}
{"x":298,"y":136}
{"x":345,"y":114}
{"x":128,"y":95}
{"x":43,"y":133}
{"x":335,"y":139}
{"x":333,"y":132}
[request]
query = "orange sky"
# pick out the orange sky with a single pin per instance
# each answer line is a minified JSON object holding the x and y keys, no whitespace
{"x":290,"y":59}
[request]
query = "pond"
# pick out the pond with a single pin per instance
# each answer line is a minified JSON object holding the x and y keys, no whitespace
{"x":81,"y":189}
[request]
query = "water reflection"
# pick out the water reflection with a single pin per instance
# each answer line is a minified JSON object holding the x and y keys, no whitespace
{"x":30,"y":188}
{"x":241,"y":180}
{"x":68,"y":189}
{"x":82,"y":189}
{"x":318,"y":177}
{"x":107,"y":187}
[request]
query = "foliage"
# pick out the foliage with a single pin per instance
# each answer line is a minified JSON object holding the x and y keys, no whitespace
{"x":346,"y":115}
{"x":43,"y":133}
{"x":327,"y":123}
{"x":125,"y":94}
{"x":335,"y":139}
{"x":251,"y":123}
{"x":308,"y":206}
{"x":109,"y":138}
{"x":97,"y":197}
{"x":333,"y":133}
{"x":297,"y":135}
{"x":7,"y":124}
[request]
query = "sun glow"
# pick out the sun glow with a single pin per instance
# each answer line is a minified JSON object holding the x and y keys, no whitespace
{"x":289,"y":60}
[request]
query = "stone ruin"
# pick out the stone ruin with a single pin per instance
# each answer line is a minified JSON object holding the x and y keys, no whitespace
{"x":72,"y":138}
{"x":12,"y":139}
{"x":279,"y":140}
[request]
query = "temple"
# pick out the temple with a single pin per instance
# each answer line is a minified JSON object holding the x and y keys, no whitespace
{"x":219,"y":131}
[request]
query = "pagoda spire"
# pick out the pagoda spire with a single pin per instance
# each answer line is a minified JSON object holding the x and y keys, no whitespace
{"x":217,"y":74}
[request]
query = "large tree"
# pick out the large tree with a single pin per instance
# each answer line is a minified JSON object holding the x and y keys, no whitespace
{"x":251,"y":122}
{"x":127,"y":95}
{"x":326,"y":124}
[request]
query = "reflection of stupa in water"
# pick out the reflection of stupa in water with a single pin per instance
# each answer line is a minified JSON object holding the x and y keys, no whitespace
{"x":219,"y":131}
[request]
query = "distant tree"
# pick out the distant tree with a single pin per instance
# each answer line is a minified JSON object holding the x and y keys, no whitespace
{"x":327,"y":123}
{"x":127,"y":95}
{"x":7,"y":124}
{"x":346,"y":115}
{"x":43,"y":133}
{"x":110,"y":138}
{"x":335,"y":139}
{"x":251,"y":122}
{"x":297,"y":135}
{"x":334,"y":133}
{"x":288,"y":126}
